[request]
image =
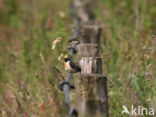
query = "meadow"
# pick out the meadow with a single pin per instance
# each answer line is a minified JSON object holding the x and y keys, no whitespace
{"x":30,"y":69}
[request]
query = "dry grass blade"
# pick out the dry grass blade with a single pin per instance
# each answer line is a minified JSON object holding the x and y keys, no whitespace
{"x":55,"y":42}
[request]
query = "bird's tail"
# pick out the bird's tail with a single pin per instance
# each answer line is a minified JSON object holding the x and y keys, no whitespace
{"x":78,"y":69}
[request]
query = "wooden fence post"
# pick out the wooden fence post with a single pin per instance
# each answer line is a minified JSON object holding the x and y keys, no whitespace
{"x":91,"y":86}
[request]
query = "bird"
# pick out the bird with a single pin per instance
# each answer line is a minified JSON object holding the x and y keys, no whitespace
{"x":70,"y":66}
{"x":74,"y":41}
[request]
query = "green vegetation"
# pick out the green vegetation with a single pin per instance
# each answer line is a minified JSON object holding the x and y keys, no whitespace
{"x":30,"y":70}
{"x":128,"y":51}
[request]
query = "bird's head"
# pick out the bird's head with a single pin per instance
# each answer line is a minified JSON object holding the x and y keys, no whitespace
{"x":67,"y":59}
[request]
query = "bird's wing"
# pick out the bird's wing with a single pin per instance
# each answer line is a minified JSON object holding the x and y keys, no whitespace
{"x":74,"y":66}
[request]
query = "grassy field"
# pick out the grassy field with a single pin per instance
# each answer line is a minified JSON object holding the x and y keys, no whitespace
{"x":129,"y":52}
{"x":30,"y":70}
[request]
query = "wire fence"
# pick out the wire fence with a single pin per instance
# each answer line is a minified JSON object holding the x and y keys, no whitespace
{"x":65,"y":86}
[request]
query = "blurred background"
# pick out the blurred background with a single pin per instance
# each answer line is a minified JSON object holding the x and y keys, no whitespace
{"x":31,"y":63}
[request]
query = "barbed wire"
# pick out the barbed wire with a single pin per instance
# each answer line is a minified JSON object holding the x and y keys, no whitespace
{"x":65,"y":86}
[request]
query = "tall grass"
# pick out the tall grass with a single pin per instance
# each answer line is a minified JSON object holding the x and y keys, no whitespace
{"x":30,"y":71}
{"x":128,"y":52}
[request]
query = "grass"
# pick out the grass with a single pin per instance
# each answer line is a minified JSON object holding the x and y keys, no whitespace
{"x":30,"y":71}
{"x":128,"y":53}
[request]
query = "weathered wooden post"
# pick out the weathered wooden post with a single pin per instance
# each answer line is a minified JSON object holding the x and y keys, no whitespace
{"x":91,"y":86}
